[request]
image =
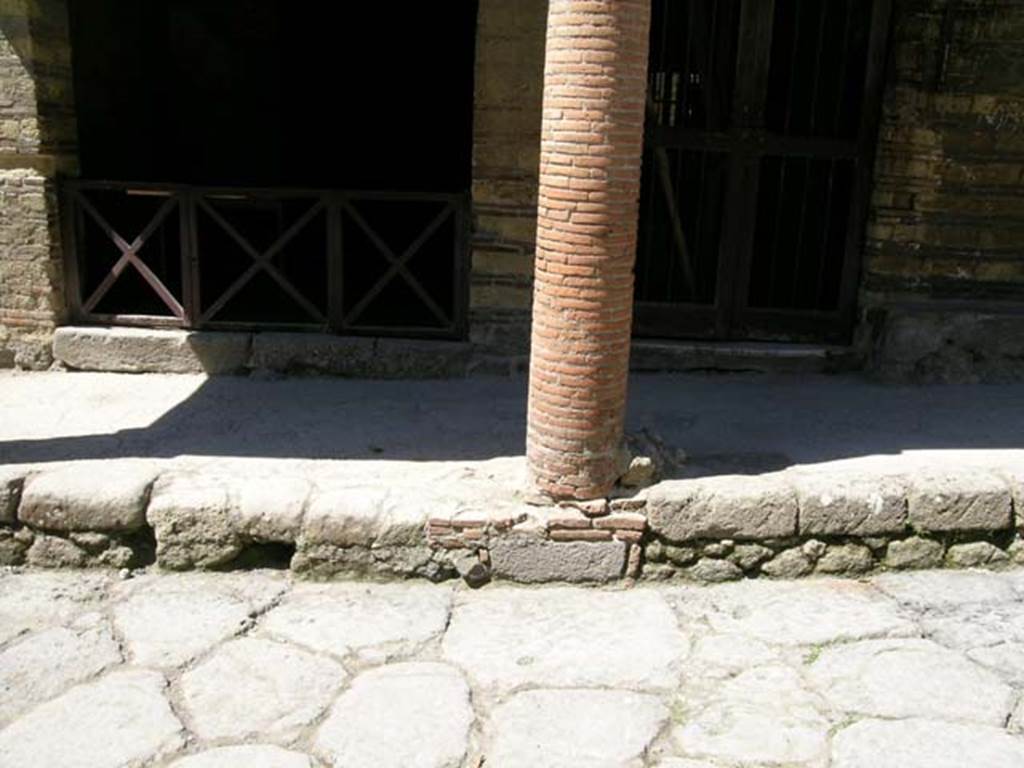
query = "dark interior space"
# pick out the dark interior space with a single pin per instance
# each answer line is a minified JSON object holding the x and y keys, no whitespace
{"x":755,"y":144}
{"x":272,"y":93}
{"x":261,"y":107}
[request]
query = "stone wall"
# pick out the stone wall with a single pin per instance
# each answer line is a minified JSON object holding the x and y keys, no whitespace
{"x":506,"y":162}
{"x":37,"y":141}
{"x":943,"y":285}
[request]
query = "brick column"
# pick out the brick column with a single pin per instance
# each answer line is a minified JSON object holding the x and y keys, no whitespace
{"x":592,"y":137}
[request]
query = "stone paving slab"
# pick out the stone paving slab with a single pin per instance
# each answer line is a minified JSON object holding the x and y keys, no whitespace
{"x":399,"y":715}
{"x":915,"y":670}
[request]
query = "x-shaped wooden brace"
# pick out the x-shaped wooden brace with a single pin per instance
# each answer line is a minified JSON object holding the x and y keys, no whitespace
{"x":398,"y":264}
{"x":263,"y":261}
{"x":130,"y":255}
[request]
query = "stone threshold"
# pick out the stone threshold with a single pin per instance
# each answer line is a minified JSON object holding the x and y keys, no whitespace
{"x":218,"y":353}
{"x":126,"y":513}
{"x":676,"y":356}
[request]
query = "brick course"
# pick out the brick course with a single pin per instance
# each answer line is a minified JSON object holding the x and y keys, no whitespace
{"x":591,"y":141}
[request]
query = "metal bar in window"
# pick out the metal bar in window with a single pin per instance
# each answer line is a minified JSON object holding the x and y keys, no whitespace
{"x":649,"y":217}
{"x":696,"y":243}
{"x":823,"y":249}
{"x":671,"y":179}
{"x":792,"y":66}
{"x":841,"y":84}
{"x":816,"y":80}
{"x":335,"y":264}
{"x":660,"y":72}
{"x":774,"y":264}
{"x":684,"y":101}
{"x":804,"y":192}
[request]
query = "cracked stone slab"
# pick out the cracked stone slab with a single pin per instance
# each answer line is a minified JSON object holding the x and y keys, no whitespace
{"x":107,"y":495}
{"x":968,"y":499}
{"x":924,"y":744}
{"x":1004,"y":659}
{"x":248,"y":756}
{"x":505,"y":638}
{"x":254,"y":687}
{"x":169,"y":621}
{"x":910,"y":678}
{"x":44,"y":664}
{"x":400,"y":715}
{"x":805,"y":612}
{"x":373,"y":620}
{"x":573,"y":729}
{"x":726,"y":655}
{"x":940,"y":590}
{"x":728,"y":506}
{"x":122,"y":719}
{"x":35,"y":600}
{"x":977,"y":626}
{"x":850,"y":503}
{"x":762,"y":716}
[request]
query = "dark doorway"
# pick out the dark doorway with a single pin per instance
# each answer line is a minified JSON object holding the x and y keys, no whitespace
{"x":273,"y":163}
{"x":761,"y":124}
{"x":276,"y":93}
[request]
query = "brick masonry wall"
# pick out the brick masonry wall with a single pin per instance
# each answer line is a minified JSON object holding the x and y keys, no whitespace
{"x":506,"y":161}
{"x":592,"y":136}
{"x":37,"y":141}
{"x":944,"y":248}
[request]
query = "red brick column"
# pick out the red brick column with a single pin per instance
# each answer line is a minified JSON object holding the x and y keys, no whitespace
{"x":594,"y":90}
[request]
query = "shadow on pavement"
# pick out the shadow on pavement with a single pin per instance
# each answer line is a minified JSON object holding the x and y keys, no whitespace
{"x":742,"y":423}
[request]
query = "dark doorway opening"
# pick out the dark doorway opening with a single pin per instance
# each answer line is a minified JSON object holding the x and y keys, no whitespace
{"x":273,"y":164}
{"x":761,"y":122}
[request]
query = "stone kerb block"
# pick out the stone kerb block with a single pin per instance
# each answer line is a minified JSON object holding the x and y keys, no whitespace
{"x":1015,"y":478}
{"x":190,"y":518}
{"x":850,"y":504}
{"x":12,"y":480}
{"x":203,"y":520}
{"x":965,"y":499}
{"x":730,"y":506}
{"x":88,"y":496}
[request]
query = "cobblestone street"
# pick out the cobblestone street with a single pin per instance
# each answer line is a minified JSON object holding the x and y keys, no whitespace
{"x":255,"y":669}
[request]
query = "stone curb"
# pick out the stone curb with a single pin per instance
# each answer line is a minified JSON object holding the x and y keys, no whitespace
{"x":784,"y":524}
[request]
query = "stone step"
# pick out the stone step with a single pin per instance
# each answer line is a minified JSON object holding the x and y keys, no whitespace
{"x":670,"y":356}
{"x":438,"y":520}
